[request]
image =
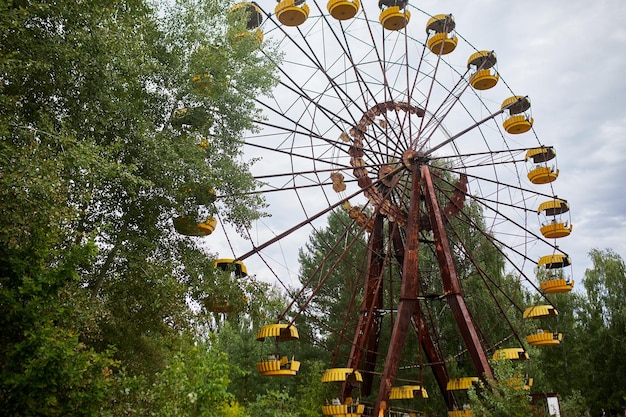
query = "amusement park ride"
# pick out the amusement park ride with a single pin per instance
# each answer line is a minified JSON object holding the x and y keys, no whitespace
{"x":373,"y":118}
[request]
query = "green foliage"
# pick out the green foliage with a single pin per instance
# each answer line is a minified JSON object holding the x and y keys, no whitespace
{"x":311,"y":392}
{"x":334,"y":255}
{"x":573,"y":405}
{"x":45,"y":367}
{"x":586,"y":367}
{"x":193,"y":383}
{"x":502,"y":396}
{"x":602,"y":318}
{"x":92,"y":173}
{"x":274,"y":404}
{"x":103,"y":308}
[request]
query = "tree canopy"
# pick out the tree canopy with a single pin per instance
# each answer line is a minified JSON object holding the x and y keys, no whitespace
{"x":107,"y":136}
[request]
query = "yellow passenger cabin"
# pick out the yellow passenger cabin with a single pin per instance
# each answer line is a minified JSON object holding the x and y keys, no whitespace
{"x":513,"y":354}
{"x":273,"y":362}
{"x":484,"y":74}
{"x":461,"y":384}
{"x":441,"y":39}
{"x":541,"y":172}
{"x":408,"y":392}
{"x":519,"y":119}
{"x":292,"y":12}
{"x":555,"y":279}
{"x":554,"y":223}
{"x":349,"y":406}
{"x":542,"y":336}
{"x":343,"y":9}
{"x":393,"y":14}
{"x":187,"y":226}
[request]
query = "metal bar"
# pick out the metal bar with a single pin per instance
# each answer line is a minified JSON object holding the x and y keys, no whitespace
{"x":371,"y":297}
{"x":433,"y":356}
{"x":408,"y":297}
{"x":450,"y":280}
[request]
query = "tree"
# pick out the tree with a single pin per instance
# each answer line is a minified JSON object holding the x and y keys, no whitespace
{"x":602,"y":319}
{"x":321,"y":260}
{"x":501,"y":396}
{"x":95,"y":165}
{"x":237,"y":338}
{"x":45,"y":368}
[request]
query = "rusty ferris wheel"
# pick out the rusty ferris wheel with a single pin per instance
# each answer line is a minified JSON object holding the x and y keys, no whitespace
{"x":386,"y":112}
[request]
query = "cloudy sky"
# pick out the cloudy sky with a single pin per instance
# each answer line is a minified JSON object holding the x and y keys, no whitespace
{"x":569,"y":58}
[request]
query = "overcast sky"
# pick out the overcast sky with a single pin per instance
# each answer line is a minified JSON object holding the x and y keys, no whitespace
{"x":570,"y":59}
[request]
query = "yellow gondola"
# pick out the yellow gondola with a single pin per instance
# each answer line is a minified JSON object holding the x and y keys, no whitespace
{"x":404,"y":397}
{"x":188,"y":227}
{"x":343,"y":407}
{"x":461,"y":384}
{"x":233,"y":301}
{"x":274,"y":363}
{"x":540,"y":311}
{"x":219,"y":304}
{"x":441,"y":41}
{"x":555,"y":281}
{"x":553,"y":226}
{"x":201,"y":193}
{"x":292,"y":12}
{"x":343,"y":9}
{"x":253,"y":13}
{"x":541,"y":173}
{"x":542,"y":337}
{"x":237,"y":267}
{"x":519,"y":120}
{"x":484,"y":75}
{"x":556,"y":286}
{"x":407,"y":392}
{"x":520,"y":382}
{"x":192,"y":117}
{"x":254,"y":19}
{"x":393,"y":14}
{"x":204,"y":84}
{"x":513,"y":354}
{"x":460,"y":413}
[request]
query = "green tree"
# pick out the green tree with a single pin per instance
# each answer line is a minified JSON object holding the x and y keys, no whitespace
{"x":602,"y":318}
{"x":194,"y":382}
{"x":95,"y":163}
{"x":237,"y":338}
{"x":274,"y":404}
{"x":502,"y":396}
{"x":45,"y":367}
{"x":561,"y":367}
{"x":335,"y":257}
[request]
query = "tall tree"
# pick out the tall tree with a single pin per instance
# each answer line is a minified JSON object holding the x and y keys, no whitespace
{"x":322,"y":261}
{"x":501,"y":396}
{"x":115,"y":118}
{"x":603,"y":324}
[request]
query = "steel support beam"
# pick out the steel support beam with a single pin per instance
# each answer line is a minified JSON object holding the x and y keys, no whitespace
{"x":368,"y":327}
{"x":450,"y":280}
{"x":408,"y":297}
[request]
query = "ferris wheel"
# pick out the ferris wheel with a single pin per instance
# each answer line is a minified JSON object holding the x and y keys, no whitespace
{"x":385,"y":113}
